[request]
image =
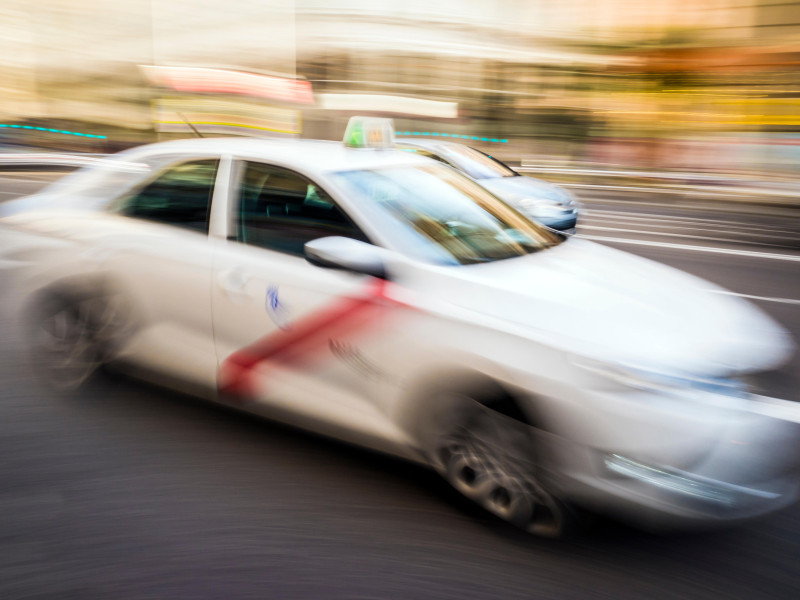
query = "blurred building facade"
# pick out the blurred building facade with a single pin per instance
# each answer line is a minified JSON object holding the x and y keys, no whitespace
{"x":618,"y":81}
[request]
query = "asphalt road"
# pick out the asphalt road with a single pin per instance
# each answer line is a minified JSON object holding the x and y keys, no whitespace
{"x":130,"y":491}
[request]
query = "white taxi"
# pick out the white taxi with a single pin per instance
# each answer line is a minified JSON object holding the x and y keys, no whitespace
{"x":385,"y":299}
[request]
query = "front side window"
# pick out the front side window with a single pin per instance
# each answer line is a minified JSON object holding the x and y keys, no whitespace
{"x":95,"y":187}
{"x":179,"y":196}
{"x":282,"y":210}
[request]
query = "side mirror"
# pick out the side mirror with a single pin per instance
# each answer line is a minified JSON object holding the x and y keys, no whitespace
{"x":347,"y":254}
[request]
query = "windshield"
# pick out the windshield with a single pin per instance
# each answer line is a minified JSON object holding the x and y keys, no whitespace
{"x":475,"y":163}
{"x":434,"y":213}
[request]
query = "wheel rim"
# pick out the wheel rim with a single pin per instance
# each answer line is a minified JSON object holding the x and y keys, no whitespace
{"x":66,"y":345}
{"x":490,"y":460}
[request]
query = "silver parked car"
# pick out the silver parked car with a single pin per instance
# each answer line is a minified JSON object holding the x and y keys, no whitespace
{"x":547,"y":203}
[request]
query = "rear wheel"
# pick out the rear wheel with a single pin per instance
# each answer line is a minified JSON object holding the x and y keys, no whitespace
{"x":492,"y":460}
{"x":72,"y":337}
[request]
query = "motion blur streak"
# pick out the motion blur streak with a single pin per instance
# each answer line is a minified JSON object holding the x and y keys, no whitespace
{"x":675,"y":124}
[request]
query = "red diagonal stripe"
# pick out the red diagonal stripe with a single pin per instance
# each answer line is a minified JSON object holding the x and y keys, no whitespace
{"x":306,"y":337}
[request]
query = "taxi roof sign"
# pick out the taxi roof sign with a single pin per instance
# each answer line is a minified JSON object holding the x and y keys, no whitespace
{"x":369,"y":132}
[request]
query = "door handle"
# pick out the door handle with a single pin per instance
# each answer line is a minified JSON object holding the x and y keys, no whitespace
{"x":234,"y":284}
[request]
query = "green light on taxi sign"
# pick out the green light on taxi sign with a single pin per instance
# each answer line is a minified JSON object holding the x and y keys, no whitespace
{"x":369,"y":132}
{"x":354,"y":138}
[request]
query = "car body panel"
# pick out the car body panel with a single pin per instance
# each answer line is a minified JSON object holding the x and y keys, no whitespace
{"x":361,"y":358}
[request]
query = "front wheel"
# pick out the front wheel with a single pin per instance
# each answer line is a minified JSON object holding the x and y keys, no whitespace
{"x":491,"y":459}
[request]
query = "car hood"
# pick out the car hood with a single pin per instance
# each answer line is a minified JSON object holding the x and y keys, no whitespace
{"x":513,"y":189}
{"x":596,"y":301}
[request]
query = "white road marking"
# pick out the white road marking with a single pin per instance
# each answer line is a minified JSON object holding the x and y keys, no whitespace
{"x":683,"y":191}
{"x":764,"y":298}
{"x":775,"y":407}
{"x":679,"y":222}
{"x":730,"y":251}
{"x":680,"y":235}
{"x":621,"y":188}
{"x":653,"y":229}
{"x":740,"y":208}
{"x":651,"y":216}
{"x":731,"y":193}
{"x":525,"y":166}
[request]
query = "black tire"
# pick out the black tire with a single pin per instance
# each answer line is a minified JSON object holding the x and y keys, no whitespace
{"x":492,"y":459}
{"x":72,"y":336}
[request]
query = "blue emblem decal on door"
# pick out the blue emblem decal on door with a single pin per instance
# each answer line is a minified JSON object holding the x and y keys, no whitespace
{"x":276,"y":309}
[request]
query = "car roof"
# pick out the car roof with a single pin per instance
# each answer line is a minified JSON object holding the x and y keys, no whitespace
{"x":316,"y":155}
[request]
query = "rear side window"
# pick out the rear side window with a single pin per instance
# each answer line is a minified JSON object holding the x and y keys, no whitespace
{"x":94,"y":187}
{"x":180,"y":196}
{"x":282,"y":210}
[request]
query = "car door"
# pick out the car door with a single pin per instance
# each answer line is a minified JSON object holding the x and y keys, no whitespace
{"x":290,"y":335}
{"x":156,"y":246}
